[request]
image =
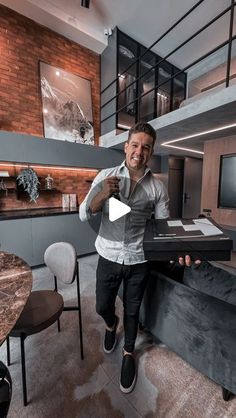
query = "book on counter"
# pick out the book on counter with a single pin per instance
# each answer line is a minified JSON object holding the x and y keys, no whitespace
{"x":201,"y":238}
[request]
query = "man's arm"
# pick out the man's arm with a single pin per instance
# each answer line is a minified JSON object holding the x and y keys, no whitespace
{"x":101,"y":189}
{"x":162,"y":204}
{"x":110,"y":186}
{"x":84,"y":209}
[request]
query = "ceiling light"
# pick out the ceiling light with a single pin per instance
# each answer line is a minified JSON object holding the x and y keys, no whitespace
{"x":183,"y":149}
{"x":126,"y":52}
{"x":162,"y":95}
{"x":85,"y":3}
{"x":120,"y":125}
{"x":200,"y":134}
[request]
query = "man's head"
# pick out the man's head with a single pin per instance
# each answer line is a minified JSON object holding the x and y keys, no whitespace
{"x":145,"y":128}
{"x":139,"y":146}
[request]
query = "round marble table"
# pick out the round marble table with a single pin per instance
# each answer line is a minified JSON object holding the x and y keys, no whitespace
{"x":15,"y":287}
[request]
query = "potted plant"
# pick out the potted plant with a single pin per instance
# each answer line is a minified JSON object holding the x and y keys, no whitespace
{"x":29,"y":180}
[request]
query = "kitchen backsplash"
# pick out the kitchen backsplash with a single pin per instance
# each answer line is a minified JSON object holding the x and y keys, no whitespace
{"x":64,"y":181}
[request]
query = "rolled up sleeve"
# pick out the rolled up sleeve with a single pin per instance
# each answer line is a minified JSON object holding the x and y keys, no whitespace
{"x":96,"y":187}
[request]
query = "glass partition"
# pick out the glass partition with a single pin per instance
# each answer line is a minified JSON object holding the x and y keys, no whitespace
{"x":127,"y":53}
{"x":146,"y":83}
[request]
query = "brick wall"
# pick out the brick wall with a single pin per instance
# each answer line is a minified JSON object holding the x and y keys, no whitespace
{"x":23,"y":43}
{"x":65,"y":181}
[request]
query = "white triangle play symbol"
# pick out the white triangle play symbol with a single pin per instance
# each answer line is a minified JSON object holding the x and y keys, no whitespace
{"x":117,"y":209}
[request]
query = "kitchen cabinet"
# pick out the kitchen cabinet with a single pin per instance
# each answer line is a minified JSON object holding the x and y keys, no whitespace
{"x":29,"y":238}
{"x":16,"y":238}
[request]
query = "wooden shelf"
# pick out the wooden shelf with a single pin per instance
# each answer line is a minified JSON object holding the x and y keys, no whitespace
{"x":49,"y":190}
{"x":18,"y":188}
{"x":5,"y":192}
{"x":21,"y":191}
{"x":8,"y":183}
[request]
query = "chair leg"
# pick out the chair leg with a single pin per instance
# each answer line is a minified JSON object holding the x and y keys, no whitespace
{"x":226,"y":394}
{"x":81,"y":336}
{"x":8,"y":352}
{"x":58,"y":325}
{"x":55,"y":290}
{"x":79,"y":312}
{"x":22,"y":346}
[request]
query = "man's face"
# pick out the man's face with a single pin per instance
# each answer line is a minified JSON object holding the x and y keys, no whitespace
{"x":138,"y":150}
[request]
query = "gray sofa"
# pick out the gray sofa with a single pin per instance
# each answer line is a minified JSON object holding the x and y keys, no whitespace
{"x":193,"y":312}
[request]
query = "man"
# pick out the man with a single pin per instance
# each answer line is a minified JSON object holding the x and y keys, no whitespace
{"x":120,"y":243}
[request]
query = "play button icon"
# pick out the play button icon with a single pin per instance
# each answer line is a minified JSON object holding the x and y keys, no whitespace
{"x":109,"y":223}
{"x":117,"y":209}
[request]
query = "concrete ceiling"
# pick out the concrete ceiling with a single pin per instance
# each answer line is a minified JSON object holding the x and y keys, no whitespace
{"x":214,"y":111}
{"x":144,"y":21}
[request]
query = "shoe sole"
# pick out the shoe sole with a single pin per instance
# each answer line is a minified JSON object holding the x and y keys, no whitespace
{"x":115,"y":343}
{"x":128,"y":390}
{"x":111,"y":350}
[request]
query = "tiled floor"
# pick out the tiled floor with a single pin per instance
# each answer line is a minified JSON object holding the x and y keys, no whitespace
{"x":61,"y":385}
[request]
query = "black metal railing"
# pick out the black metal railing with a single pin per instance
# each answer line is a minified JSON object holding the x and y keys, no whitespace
{"x":231,"y":38}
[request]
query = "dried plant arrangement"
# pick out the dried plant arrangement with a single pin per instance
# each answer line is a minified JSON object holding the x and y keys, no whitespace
{"x":29,"y":180}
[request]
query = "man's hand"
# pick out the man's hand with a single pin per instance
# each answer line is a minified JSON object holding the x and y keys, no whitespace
{"x":186,"y":261}
{"x":110,"y":186}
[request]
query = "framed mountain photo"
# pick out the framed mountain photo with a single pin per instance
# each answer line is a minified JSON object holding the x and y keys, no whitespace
{"x":66,"y":105}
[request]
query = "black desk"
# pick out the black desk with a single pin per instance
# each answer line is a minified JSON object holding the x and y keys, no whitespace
{"x":198,"y":246}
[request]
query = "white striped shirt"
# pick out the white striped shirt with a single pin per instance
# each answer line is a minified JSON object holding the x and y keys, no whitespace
{"x":122,"y":241}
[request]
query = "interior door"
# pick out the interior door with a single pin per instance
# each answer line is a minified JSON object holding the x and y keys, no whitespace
{"x":175,"y":186}
{"x":192,"y":187}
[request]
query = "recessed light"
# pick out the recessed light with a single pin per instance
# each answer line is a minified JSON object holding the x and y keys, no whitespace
{"x":183,"y":149}
{"x":120,"y":125}
{"x":57,"y":73}
{"x":162,"y":95}
{"x":222,"y":128}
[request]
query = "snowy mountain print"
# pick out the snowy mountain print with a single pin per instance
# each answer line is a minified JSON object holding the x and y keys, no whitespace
{"x":63,"y":98}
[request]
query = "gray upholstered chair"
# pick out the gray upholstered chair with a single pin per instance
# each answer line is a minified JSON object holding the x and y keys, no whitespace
{"x":44,"y":307}
{"x":195,"y":317}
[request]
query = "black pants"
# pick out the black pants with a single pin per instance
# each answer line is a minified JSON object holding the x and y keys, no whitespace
{"x":109,"y":278}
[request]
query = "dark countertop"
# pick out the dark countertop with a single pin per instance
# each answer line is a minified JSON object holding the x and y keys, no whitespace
{"x":33,"y":213}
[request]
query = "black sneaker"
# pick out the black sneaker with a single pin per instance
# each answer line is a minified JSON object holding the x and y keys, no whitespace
{"x":110,"y":339}
{"x":128,"y":374}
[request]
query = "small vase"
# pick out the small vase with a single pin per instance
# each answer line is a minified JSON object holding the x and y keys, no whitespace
{"x":48,"y":182}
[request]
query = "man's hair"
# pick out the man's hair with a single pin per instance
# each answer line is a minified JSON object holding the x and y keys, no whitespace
{"x":145,"y":128}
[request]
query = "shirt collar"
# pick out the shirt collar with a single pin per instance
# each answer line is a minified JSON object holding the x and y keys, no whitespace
{"x":123,"y":166}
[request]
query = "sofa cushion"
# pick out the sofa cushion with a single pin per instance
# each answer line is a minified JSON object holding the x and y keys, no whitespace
{"x":212,"y":281}
{"x":170,"y":269}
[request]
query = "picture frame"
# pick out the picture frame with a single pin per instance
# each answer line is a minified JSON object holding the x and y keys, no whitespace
{"x":66,"y":105}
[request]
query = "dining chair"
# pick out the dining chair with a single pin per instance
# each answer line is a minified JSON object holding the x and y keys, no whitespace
{"x":44,"y":307}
